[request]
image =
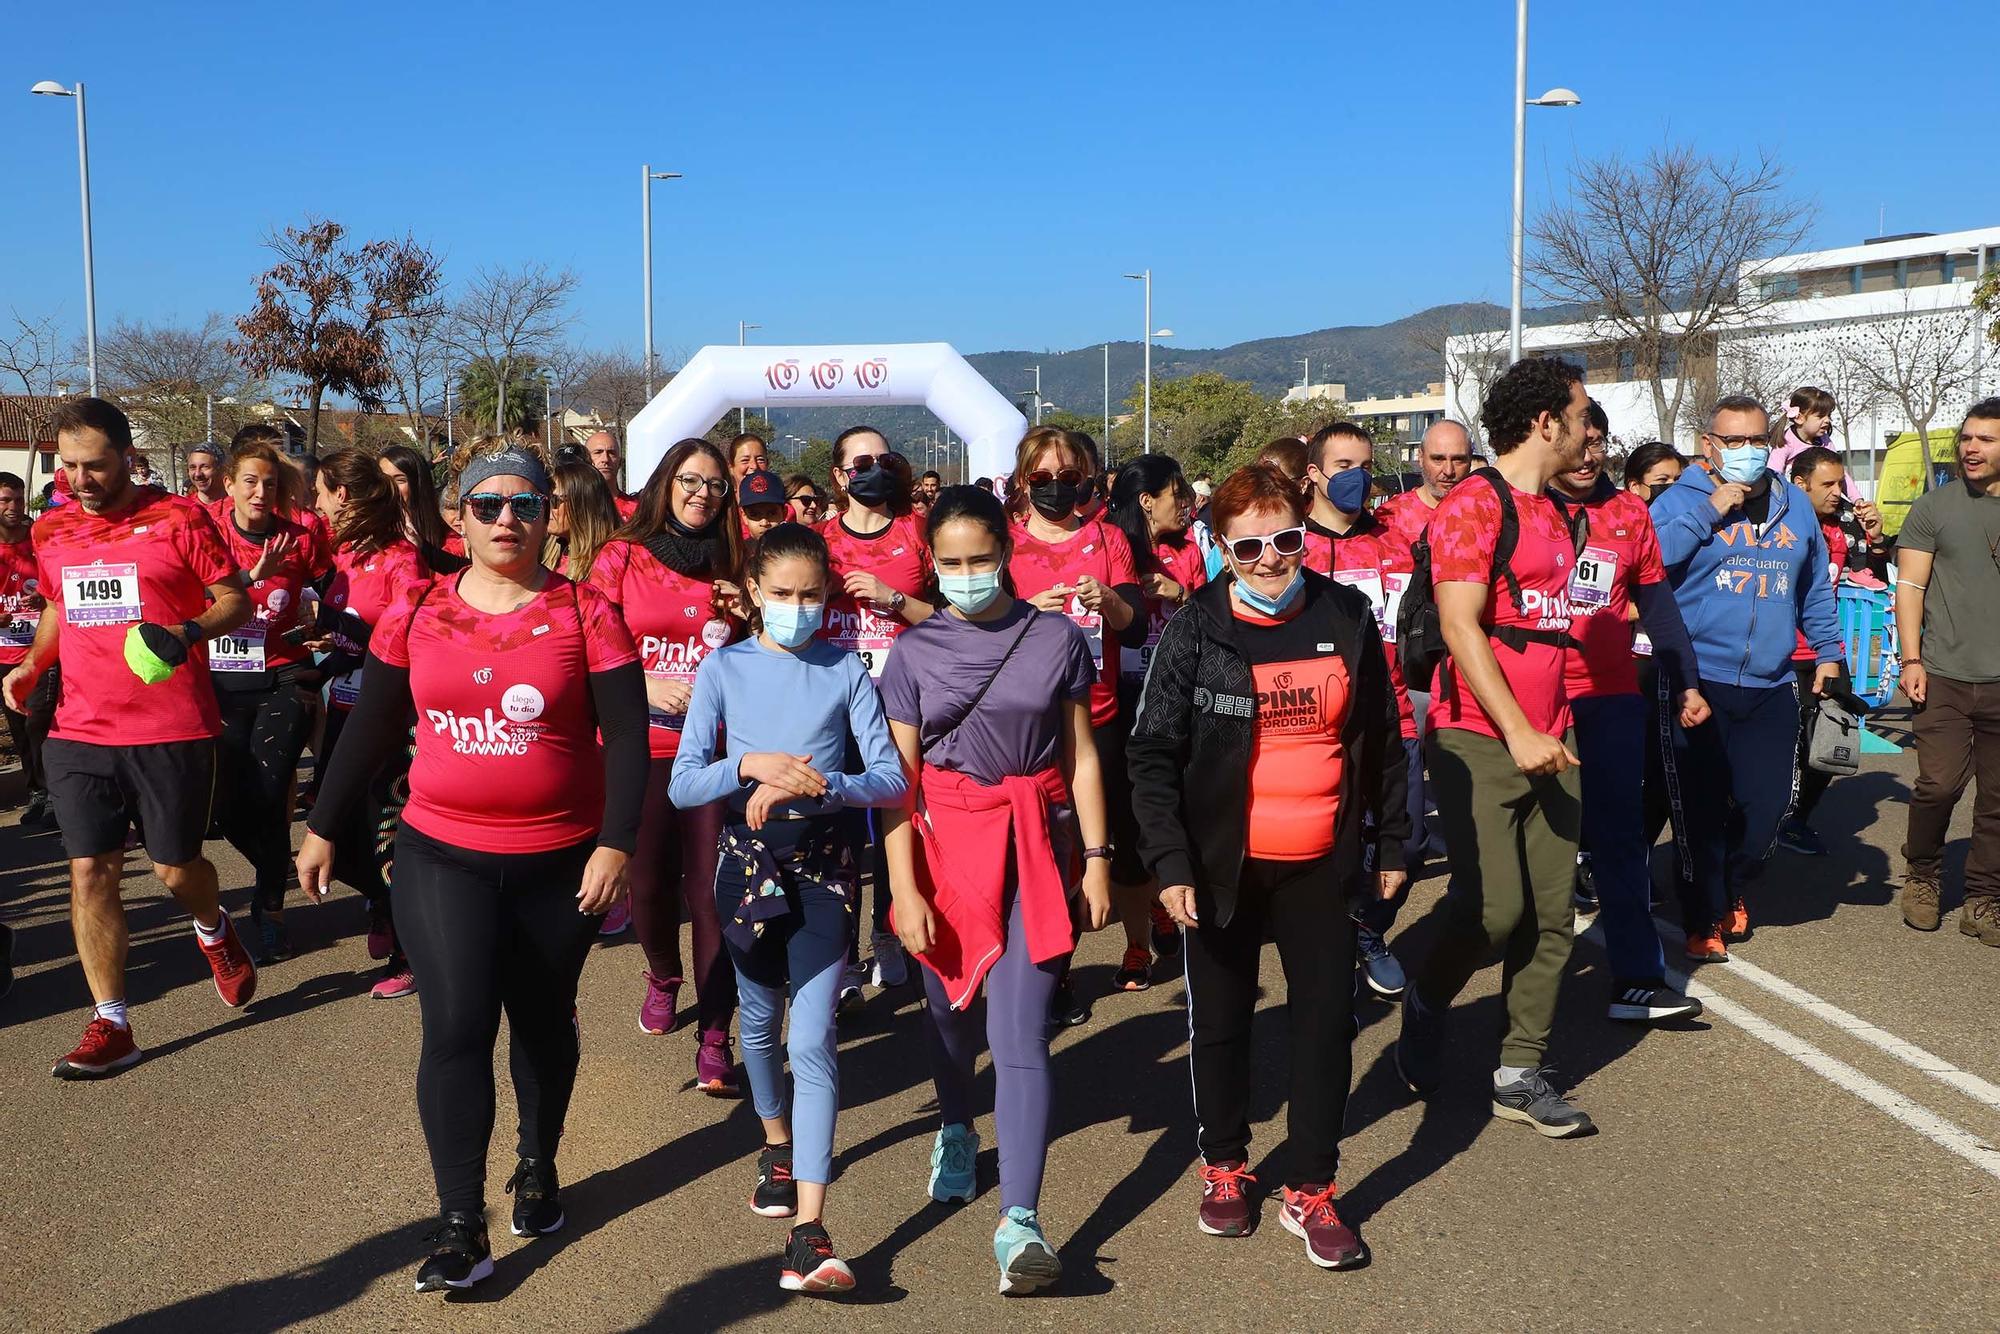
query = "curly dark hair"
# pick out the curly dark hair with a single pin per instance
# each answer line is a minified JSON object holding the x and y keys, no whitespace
{"x":1524,"y":391}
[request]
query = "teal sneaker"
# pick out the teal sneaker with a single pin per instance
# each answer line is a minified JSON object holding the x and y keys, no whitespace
{"x":952,"y":1157}
{"x":1027,"y":1262}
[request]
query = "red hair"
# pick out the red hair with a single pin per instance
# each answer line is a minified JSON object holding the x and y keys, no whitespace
{"x":1259,"y":486}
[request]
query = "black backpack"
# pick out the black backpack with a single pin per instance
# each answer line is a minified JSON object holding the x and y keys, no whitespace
{"x":1419,"y":631}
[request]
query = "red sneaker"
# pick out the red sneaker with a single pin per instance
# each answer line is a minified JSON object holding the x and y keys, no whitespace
{"x":1736,"y":926}
{"x":105,"y":1050}
{"x":1135,"y":973}
{"x":235,"y":975}
{"x":1226,"y":1206}
{"x":1331,"y":1244}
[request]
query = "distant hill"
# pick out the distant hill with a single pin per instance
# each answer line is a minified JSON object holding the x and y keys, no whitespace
{"x":1372,"y":360}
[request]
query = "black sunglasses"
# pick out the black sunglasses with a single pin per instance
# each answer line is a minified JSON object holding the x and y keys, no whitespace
{"x":528,"y":506}
{"x":1067,"y":476}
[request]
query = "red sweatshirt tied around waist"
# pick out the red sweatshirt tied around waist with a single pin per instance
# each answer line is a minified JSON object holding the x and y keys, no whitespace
{"x":967,"y":835}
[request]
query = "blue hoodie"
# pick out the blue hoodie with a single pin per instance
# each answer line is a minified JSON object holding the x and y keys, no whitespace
{"x":1745,"y":593}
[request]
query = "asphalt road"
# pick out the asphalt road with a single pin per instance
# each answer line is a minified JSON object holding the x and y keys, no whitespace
{"x":1815,"y":1155}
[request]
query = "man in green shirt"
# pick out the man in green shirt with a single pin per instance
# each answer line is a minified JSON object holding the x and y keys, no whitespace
{"x":1948,"y":619}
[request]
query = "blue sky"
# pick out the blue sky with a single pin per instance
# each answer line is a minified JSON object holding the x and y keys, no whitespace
{"x":980,"y":174}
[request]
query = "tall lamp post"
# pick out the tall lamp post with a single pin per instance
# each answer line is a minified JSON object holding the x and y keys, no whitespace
{"x":1554,"y":97}
{"x":1308,"y":363}
{"x":742,"y":414}
{"x":1107,"y":400}
{"x":646,"y":178}
{"x":1038,"y":393}
{"x":1146,"y":277}
{"x":50,"y":88}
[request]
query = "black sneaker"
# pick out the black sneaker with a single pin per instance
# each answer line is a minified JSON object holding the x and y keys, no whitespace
{"x":1797,"y":836}
{"x":6,"y":959}
{"x":1584,"y":897}
{"x":537,"y":1198}
{"x":36,"y":814}
{"x":462,"y":1257}
{"x":1065,"y":1009}
{"x":776,"y":1195}
{"x":1533,"y":1100}
{"x":1651,"y":1002}
{"x":810,"y":1264}
{"x":1420,"y":1048}
{"x":274,"y":942}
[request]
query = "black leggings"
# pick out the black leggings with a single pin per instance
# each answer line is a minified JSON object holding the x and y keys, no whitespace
{"x":29,"y":730}
{"x":673,"y":868}
{"x":487,"y":932}
{"x":263,"y":733}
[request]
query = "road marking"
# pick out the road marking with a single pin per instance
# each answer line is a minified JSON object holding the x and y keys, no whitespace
{"x":1939,"y":1130}
{"x":1933,"y":1127}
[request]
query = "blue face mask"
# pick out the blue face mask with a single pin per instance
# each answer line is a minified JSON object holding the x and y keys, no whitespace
{"x":1348,"y":491}
{"x":1278,"y":605}
{"x":791,"y":624}
{"x":970,"y":593}
{"x":1744,"y":464}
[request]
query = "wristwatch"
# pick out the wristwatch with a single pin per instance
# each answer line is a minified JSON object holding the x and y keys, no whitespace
{"x":896,"y":600}
{"x":1105,"y":852}
{"x":191,"y":632}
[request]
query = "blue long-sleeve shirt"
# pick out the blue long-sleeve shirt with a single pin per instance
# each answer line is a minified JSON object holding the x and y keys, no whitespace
{"x":803,"y":703}
{"x":1747,"y":591}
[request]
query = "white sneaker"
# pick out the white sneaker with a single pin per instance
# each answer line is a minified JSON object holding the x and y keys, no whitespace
{"x":891,"y":968}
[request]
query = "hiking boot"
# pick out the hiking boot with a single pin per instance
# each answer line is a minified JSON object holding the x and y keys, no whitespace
{"x":1981,"y":917}
{"x":1920,"y":901}
{"x":1533,"y":1100}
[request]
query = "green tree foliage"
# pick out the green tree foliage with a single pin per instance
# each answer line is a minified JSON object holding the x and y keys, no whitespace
{"x":1198,"y":419}
{"x":1986,"y":299}
{"x":478,"y":396}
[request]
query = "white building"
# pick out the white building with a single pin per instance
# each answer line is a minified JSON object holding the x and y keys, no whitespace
{"x":1831,"y":314}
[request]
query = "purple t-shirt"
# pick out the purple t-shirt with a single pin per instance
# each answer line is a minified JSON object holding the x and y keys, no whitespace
{"x":1017,"y":728}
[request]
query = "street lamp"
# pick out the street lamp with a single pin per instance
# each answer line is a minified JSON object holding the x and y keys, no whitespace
{"x":1554,"y":97}
{"x":1146,"y":277}
{"x":1038,"y":393}
{"x":1308,"y":363}
{"x":646,"y":178}
{"x":742,"y":415}
{"x":1107,"y":400}
{"x":50,"y":88}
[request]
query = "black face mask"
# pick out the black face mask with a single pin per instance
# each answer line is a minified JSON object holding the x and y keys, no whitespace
{"x":1055,"y":500}
{"x":1656,"y":490}
{"x":873,"y":487}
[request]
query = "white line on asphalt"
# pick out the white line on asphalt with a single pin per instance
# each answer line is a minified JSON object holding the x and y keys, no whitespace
{"x":1939,"y":1131}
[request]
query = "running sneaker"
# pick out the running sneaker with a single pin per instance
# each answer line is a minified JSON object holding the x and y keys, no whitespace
{"x":1736,"y":927}
{"x":1166,"y":934}
{"x":1420,"y":1049}
{"x":656,"y":1012}
{"x":537,"y":1197}
{"x":381,"y":933}
{"x":462,"y":1257}
{"x":1533,"y":1100}
{"x":274,"y":942}
{"x":35,"y":815}
{"x":399,"y":983}
{"x":1136,"y":972}
{"x":954,"y":1155}
{"x":618,"y":920}
{"x":6,"y":959}
{"x":810,"y":1264}
{"x":105,"y":1050}
{"x":1863,"y":579}
{"x":775,"y":1195}
{"x":851,"y":998}
{"x":1027,"y":1262}
{"x":715,"y":1065}
{"x":1227,"y":1207}
{"x":1066,"y":1009}
{"x":235,"y":975}
{"x":1584,"y":896}
{"x":1380,"y":968}
{"x":1707,"y":947}
{"x":1651,"y":1002}
{"x":890,"y":967}
{"x":1310,"y":1216}
{"x":1795,"y":835}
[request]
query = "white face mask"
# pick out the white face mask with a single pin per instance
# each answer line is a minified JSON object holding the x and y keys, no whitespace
{"x":970,"y":593}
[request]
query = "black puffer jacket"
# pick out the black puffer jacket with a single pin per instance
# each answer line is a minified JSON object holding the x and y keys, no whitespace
{"x":1189,"y":754}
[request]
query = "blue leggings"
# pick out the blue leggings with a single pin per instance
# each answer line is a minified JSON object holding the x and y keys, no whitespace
{"x":1611,"y":742}
{"x":801,"y":954}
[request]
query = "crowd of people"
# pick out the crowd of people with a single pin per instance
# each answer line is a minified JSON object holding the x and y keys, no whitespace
{"x":542,"y":710}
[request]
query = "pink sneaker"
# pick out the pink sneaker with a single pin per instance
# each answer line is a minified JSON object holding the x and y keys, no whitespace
{"x":656,"y":1012}
{"x":381,"y":935}
{"x":617,"y":920}
{"x":715,"y":1065}
{"x":1863,"y":579}
{"x":395,"y":986}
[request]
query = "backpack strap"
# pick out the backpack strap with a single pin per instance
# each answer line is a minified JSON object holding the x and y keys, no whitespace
{"x":1510,"y":532}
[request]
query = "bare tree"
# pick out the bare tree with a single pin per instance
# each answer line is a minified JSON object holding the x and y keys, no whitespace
{"x":1657,"y":250}
{"x":36,"y":353}
{"x":509,"y":319}
{"x":1472,"y":352}
{"x":614,"y":387}
{"x":167,"y":375}
{"x":1923,"y":359}
{"x":419,"y":356}
{"x":1740,"y":366}
{"x":567,"y":368}
{"x":1856,"y":395}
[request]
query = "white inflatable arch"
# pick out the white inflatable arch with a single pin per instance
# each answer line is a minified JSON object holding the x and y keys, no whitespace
{"x":929,"y":375}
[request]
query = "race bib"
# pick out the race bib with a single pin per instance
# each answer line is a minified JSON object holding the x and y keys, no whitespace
{"x":867,"y":636}
{"x":1593,"y":579}
{"x":346,"y":689}
{"x":1392,"y":607}
{"x":20,"y":631}
{"x":1642,"y":644}
{"x":100,"y":594}
{"x":1135,"y":661}
{"x":660,"y":718}
{"x":1092,"y":625}
{"x":241,"y":650}
{"x":1369,"y":584}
